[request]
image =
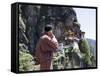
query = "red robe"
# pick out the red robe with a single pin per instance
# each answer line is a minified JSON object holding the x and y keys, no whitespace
{"x":44,"y":51}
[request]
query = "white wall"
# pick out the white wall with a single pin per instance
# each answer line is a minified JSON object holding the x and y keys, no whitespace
{"x":5,"y":24}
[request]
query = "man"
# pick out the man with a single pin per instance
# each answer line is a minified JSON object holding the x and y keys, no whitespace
{"x":46,"y":45}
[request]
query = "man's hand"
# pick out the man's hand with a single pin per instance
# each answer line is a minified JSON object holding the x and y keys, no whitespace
{"x":54,"y":38}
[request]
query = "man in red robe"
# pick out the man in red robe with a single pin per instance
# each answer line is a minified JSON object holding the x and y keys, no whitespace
{"x":45,"y":47}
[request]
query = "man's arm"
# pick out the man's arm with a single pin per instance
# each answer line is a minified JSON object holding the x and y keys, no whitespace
{"x":52,"y":42}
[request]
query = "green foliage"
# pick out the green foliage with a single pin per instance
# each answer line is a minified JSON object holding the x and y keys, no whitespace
{"x":84,"y":46}
{"x":85,"y":49}
{"x":25,"y":61}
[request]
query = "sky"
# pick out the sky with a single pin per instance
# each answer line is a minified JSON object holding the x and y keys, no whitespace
{"x":87,"y":18}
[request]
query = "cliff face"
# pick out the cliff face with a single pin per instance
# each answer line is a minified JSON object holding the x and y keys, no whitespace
{"x":32,"y":20}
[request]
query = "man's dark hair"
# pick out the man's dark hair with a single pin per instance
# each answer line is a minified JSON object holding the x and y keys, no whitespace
{"x":48,"y":28}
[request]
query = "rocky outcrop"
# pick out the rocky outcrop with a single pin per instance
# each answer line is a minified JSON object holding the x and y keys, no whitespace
{"x":33,"y":18}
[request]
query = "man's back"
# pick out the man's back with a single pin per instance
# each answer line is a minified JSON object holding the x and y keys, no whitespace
{"x":45,"y":48}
